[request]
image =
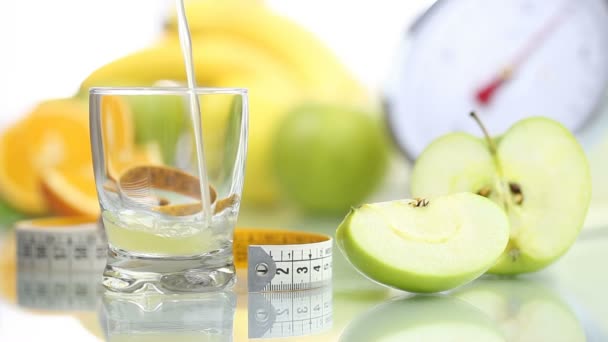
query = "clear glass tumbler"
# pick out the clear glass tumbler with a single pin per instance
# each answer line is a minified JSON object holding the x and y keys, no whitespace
{"x":169,"y":184}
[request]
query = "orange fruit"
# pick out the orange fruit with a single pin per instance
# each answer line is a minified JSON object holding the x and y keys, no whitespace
{"x":8,"y":269}
{"x":70,"y":191}
{"x":118,"y":133}
{"x":55,"y":133}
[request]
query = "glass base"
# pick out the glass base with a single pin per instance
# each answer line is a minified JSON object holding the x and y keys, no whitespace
{"x":134,"y":273}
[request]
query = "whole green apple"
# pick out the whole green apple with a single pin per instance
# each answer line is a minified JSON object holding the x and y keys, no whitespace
{"x":536,"y":172}
{"x":160,"y":119}
{"x":329,"y":158}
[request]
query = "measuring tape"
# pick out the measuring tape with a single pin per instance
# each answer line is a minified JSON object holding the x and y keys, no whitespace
{"x":276,"y":260}
{"x":58,"y":260}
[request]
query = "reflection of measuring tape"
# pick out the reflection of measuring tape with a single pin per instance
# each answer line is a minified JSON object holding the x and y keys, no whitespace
{"x":59,"y":267}
{"x":284,"y":314}
{"x":276,"y":260}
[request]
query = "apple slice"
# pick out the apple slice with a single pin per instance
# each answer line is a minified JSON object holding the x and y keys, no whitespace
{"x":425,"y":245}
{"x":537,"y":172}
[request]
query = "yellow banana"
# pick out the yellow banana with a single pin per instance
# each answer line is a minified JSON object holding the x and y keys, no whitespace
{"x":223,"y":62}
{"x":301,"y":50}
{"x":214,"y":56}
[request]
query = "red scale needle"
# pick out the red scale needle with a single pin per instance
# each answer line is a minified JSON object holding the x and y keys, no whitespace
{"x":486,"y":93}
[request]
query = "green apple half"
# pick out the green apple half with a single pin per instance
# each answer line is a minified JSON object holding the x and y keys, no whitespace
{"x":537,"y":172}
{"x":525,"y":310}
{"x":425,"y":246}
{"x":423,"y":318}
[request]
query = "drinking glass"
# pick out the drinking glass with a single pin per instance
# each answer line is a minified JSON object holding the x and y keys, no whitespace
{"x":169,"y":184}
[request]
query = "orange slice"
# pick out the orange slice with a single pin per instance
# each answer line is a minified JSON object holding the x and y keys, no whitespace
{"x":8,"y":269}
{"x":70,"y":191}
{"x":118,"y":133}
{"x":55,"y":133}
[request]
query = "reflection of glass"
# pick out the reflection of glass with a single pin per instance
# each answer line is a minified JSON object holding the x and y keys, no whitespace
{"x":173,"y":318}
{"x":525,"y":310}
{"x":294,"y":313}
{"x":168,"y":209}
{"x":422,"y":318}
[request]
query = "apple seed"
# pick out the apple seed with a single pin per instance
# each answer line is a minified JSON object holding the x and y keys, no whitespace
{"x":518,"y":196}
{"x":419,"y":202}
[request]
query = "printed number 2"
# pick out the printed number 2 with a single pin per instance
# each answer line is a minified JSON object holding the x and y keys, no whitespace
{"x":280,"y":270}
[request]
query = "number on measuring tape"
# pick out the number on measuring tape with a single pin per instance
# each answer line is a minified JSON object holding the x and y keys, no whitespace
{"x":289,"y":267}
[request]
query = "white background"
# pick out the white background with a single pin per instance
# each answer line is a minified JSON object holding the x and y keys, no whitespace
{"x":48,"y":47}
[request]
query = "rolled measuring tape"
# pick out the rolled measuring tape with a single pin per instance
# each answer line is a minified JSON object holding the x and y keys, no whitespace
{"x":276,"y":260}
{"x":59,"y":261}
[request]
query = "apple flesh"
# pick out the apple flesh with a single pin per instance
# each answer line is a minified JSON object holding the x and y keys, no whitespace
{"x":425,"y":246}
{"x":536,"y":172}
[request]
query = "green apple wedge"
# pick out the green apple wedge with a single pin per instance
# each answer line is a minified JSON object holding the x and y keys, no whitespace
{"x":525,"y":309}
{"x":536,"y":172}
{"x":423,"y":318}
{"x":424,"y":245}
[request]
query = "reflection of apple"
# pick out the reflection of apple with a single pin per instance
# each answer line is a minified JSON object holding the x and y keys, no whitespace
{"x":524,"y":309}
{"x":422,"y":318}
{"x":537,"y":172}
{"x":425,"y":245}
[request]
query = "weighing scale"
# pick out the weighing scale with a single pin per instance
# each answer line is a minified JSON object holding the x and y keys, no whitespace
{"x":506,"y":60}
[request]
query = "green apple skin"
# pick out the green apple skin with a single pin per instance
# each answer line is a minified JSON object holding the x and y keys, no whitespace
{"x":329,"y":157}
{"x":401,"y":262}
{"x":524,"y":309}
{"x":422,"y":318}
{"x":538,"y":154}
{"x":159,"y":119}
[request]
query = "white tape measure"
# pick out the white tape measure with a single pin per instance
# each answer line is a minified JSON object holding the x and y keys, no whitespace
{"x":283,"y":260}
{"x":276,"y":260}
{"x":289,"y":278}
{"x":62,"y":245}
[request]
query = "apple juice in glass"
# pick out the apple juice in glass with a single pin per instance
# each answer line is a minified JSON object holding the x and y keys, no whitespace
{"x":169,"y":199}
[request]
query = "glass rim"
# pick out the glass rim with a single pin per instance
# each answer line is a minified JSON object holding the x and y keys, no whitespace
{"x":164,"y":90}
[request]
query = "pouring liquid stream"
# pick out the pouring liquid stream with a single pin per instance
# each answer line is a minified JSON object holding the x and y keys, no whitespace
{"x":195,"y":111}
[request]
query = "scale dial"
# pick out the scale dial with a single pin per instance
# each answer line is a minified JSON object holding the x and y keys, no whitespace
{"x":506,"y":60}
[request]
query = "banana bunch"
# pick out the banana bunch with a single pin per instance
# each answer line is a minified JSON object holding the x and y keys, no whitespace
{"x":242,"y":43}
